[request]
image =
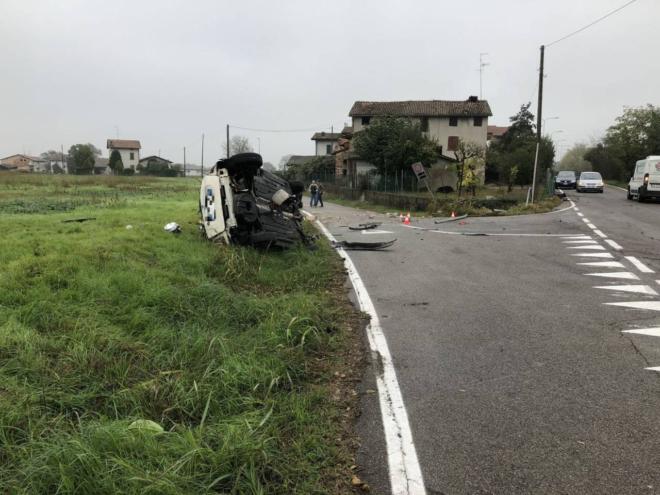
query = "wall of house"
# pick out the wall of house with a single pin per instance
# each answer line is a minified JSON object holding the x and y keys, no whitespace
{"x":321,"y":148}
{"x":440,"y":129}
{"x":126,"y":157}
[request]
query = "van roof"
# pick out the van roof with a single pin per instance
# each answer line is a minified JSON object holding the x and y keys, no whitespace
{"x":653,"y":157}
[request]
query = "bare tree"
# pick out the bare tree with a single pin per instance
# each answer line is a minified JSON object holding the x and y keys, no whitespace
{"x":238,"y":144}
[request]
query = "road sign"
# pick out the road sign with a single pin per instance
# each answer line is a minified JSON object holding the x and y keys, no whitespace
{"x":418,"y":168}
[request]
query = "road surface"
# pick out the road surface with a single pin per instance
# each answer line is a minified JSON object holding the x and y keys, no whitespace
{"x":513,"y":350}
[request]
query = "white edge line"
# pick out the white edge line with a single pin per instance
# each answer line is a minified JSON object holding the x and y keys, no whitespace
{"x":639,"y":265}
{"x":405,"y":473}
{"x":591,"y":226}
{"x":616,"y":187}
{"x":600,"y":233}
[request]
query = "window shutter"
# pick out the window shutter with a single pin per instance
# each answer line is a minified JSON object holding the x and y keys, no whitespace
{"x":452,"y":143}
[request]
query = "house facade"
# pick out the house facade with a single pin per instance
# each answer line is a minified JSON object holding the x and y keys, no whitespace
{"x":128,"y":149}
{"x":446,"y":121}
{"x":325,"y":142}
{"x":23,"y":163}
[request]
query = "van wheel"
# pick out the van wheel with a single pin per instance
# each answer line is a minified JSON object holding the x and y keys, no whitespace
{"x":629,"y":196}
{"x":640,"y":197}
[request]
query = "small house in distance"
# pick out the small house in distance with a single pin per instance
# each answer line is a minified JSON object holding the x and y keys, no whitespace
{"x":128,"y":149}
{"x":325,"y":142}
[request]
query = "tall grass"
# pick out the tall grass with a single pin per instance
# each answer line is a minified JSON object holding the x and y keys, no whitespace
{"x":102,"y":325}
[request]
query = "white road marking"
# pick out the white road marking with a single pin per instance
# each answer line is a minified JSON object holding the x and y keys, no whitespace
{"x":615,"y":245}
{"x":485,"y":234}
{"x":651,"y":305}
{"x":639,"y":289}
{"x":593,"y":247}
{"x":405,"y":473}
{"x":617,"y":187}
{"x":600,"y":234}
{"x":594,"y":255}
{"x":582,"y":241}
{"x":653,"y":332}
{"x":592,"y":226}
{"x":377,"y":232}
{"x":607,"y":264}
{"x":582,"y":237}
{"x":656,"y":368}
{"x":580,"y":214}
{"x":639,"y":265}
{"x":585,"y":220}
{"x":626,"y":275}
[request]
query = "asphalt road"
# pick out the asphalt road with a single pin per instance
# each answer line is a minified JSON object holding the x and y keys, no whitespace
{"x":511,"y":360}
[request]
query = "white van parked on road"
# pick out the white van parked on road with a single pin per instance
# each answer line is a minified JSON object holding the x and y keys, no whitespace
{"x":645,"y":183}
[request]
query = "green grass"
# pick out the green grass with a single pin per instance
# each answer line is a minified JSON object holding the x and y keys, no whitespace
{"x":230,"y":350}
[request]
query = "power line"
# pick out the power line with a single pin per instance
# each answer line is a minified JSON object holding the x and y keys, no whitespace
{"x":592,"y":23}
{"x":278,"y":130}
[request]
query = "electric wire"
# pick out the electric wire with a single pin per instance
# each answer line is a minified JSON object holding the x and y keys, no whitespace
{"x":315,"y":128}
{"x":592,"y":23}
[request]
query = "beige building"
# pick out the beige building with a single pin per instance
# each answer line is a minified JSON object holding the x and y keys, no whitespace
{"x":22,"y":163}
{"x":447,"y":122}
{"x":128,"y":149}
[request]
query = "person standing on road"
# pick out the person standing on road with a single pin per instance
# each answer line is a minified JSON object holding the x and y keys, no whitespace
{"x":313,"y":193}
{"x":320,"y":194}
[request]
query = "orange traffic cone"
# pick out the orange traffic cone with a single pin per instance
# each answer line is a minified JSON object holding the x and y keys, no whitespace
{"x":406,"y":220}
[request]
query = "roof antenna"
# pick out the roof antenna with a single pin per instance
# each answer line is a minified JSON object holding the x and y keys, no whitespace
{"x":482,"y":64}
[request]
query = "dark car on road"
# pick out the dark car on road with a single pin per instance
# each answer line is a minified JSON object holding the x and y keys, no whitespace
{"x":565,"y":179}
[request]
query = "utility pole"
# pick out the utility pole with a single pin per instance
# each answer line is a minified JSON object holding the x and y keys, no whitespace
{"x":202,"y":154}
{"x":184,"y":162}
{"x":539,"y":122}
{"x":62,"y":154}
{"x":482,"y":64}
{"x":227,"y":140}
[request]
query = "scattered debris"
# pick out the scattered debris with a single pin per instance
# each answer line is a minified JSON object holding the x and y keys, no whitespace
{"x":173,"y":228}
{"x":365,"y":226}
{"x":365,"y":246}
{"x":451,"y":219}
{"x":129,"y":227}
{"x":79,"y":220}
{"x":358,"y":483}
{"x":241,"y":203}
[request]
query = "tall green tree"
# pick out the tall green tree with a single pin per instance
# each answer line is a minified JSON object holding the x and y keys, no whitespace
{"x":634,"y":135}
{"x":513,"y":156}
{"x":395,"y":143}
{"x":115,"y":163}
{"x":81,"y":159}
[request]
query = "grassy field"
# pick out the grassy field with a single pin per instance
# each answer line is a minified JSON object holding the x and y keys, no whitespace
{"x":233,"y":352}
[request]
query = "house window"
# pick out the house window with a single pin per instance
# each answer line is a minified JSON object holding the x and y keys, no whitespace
{"x":452,"y":143}
{"x":328,"y":149}
{"x":478,"y":121}
{"x":424,"y":124}
{"x":453,"y":121}
{"x":132,"y":156}
{"x":366,"y":120}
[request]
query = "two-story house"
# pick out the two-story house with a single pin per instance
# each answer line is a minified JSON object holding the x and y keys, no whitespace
{"x":128,"y":149}
{"x":446,"y":121}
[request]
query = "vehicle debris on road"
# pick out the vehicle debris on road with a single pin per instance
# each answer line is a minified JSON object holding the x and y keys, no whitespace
{"x":172,"y":228}
{"x":365,"y":226}
{"x":364,"y":246}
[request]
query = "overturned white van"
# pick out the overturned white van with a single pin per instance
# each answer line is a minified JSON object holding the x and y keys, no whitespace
{"x":645,"y":182}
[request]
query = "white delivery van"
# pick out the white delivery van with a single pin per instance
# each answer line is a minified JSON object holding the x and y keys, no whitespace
{"x":645,"y":183}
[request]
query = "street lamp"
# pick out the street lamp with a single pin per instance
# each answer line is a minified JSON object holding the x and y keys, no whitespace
{"x":548,"y":118}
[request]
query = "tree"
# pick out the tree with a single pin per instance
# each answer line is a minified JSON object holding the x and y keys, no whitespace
{"x":115,"y":163}
{"x":395,"y":143}
{"x":238,"y":144}
{"x":52,"y":156}
{"x":574,"y":159}
{"x":81,"y":159}
{"x":318,"y":168}
{"x":513,"y":156}
{"x":634,"y":135}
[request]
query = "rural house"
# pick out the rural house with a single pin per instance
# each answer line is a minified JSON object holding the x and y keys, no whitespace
{"x":128,"y":149}
{"x":446,"y":121}
{"x":23,"y":163}
{"x":325,"y":142}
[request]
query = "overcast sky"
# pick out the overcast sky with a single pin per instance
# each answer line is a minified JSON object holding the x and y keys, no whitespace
{"x":164,"y":72}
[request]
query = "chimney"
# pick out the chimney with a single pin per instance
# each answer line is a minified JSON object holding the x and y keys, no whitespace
{"x":473,"y":98}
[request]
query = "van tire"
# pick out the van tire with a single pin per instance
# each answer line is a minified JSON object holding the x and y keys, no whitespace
{"x":629,"y":196}
{"x":640,"y":196}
